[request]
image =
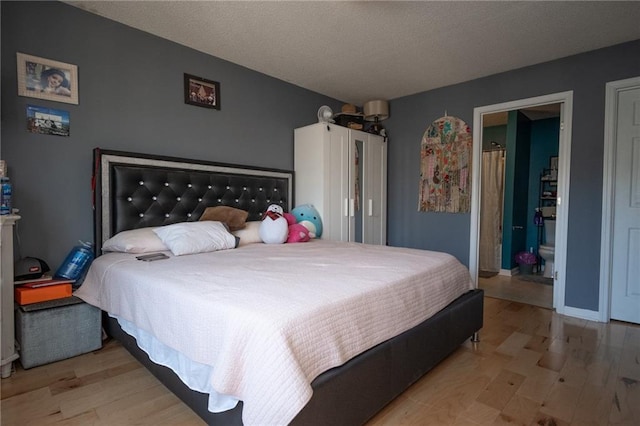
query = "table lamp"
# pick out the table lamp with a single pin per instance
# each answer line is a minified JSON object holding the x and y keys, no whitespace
{"x":376,"y":111}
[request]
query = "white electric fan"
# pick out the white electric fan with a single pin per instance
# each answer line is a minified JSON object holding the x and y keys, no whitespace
{"x":325,"y":114}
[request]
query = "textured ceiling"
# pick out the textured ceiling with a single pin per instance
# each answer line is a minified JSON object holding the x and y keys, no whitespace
{"x":356,"y":51}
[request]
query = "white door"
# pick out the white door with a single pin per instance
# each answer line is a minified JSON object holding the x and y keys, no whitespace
{"x":321,"y":161}
{"x":374,"y":201}
{"x":625,"y":259}
{"x":341,"y":192}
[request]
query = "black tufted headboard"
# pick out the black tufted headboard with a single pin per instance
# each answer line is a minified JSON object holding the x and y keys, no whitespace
{"x":137,"y":190}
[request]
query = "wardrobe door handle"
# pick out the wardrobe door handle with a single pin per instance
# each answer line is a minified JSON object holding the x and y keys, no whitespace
{"x":346,"y":207}
{"x":370,"y":207}
{"x":352,"y":207}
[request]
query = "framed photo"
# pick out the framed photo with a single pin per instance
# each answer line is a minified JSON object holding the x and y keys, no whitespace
{"x":47,"y":79}
{"x":201,"y":92}
{"x":48,"y":121}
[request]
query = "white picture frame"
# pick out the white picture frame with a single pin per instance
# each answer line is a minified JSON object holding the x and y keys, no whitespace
{"x":47,"y":79}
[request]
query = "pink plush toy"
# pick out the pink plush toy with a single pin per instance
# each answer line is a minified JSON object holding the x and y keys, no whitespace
{"x":298,"y":233}
{"x":291,"y":219}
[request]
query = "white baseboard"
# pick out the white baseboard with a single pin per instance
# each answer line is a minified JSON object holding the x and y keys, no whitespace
{"x":509,"y":272}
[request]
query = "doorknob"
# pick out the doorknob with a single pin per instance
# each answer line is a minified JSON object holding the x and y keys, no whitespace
{"x":514,"y":227}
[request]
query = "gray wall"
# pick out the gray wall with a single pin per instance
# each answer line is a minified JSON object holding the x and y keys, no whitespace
{"x":131,"y":99}
{"x":586,"y":75}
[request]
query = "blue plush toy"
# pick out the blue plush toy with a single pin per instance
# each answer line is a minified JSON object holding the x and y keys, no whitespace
{"x":307,"y":215}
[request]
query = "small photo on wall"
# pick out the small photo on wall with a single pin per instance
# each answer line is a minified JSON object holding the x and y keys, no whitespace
{"x":47,"y":79}
{"x":47,"y":121}
{"x":201,"y":92}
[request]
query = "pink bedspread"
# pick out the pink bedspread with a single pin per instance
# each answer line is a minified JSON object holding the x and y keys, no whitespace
{"x":271,"y":318}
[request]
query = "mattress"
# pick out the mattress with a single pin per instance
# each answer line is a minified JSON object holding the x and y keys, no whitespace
{"x":268,"y":319}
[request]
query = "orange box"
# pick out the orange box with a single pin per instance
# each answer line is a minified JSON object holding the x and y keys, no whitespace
{"x":25,"y":295}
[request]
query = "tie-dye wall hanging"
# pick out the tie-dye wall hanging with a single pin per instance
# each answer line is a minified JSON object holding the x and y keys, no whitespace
{"x":445,"y":167}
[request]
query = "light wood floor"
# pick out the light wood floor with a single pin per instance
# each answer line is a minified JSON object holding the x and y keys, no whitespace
{"x":516,"y":289}
{"x":532,"y":367}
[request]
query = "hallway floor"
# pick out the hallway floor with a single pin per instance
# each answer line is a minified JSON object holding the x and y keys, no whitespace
{"x":517,"y":289}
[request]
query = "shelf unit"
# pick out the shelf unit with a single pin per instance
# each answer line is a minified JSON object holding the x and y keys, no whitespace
{"x":547,"y":197}
{"x":548,"y":189}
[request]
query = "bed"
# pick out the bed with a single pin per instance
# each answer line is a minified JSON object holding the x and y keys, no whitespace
{"x":267,"y":348}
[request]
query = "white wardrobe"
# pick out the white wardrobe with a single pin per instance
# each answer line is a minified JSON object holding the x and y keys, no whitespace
{"x":343,"y":173}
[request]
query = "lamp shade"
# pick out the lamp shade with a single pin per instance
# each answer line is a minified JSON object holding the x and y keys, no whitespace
{"x":376,"y":109}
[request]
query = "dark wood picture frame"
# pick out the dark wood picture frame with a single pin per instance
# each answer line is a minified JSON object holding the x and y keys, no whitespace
{"x":201,"y":92}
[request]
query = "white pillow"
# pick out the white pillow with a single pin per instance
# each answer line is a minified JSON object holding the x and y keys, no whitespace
{"x":142,"y":240}
{"x":249,"y":234}
{"x":196,"y":237}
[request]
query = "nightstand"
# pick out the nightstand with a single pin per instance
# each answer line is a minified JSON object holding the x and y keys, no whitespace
{"x":7,"y":222}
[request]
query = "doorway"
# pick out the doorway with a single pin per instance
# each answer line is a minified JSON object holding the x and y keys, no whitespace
{"x":518,"y":217}
{"x":564,"y":100}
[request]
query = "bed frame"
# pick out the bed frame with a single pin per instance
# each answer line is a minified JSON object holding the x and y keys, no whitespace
{"x":136,"y":190}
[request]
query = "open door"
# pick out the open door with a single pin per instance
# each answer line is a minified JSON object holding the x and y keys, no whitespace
{"x":621,"y":250}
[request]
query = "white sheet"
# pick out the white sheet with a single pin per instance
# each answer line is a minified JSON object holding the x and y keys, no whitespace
{"x":271,"y":318}
{"x":193,"y":374}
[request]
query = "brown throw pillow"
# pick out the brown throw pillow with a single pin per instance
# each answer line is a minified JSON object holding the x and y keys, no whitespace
{"x":234,"y":218}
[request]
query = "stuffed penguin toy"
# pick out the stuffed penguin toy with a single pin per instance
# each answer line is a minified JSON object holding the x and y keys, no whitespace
{"x":274,"y":227}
